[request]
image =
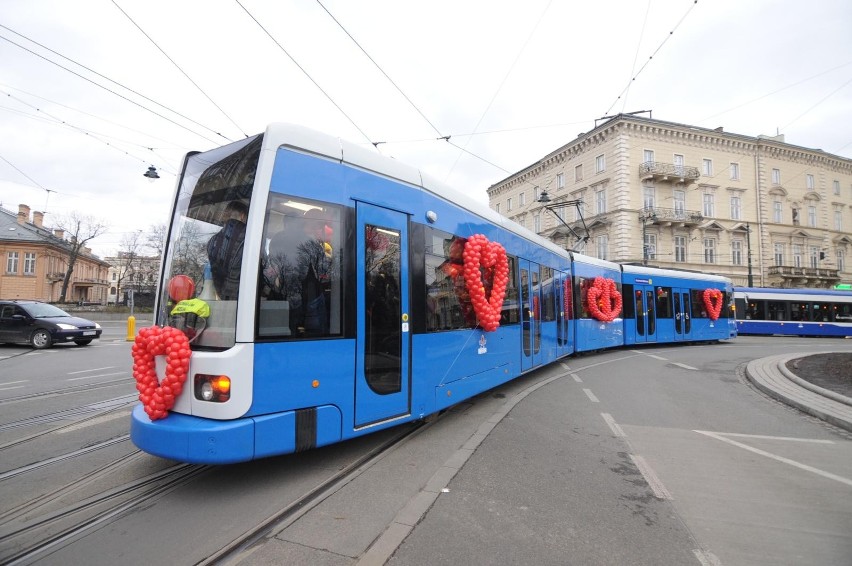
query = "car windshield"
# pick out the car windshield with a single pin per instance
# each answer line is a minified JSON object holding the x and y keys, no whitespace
{"x":44,"y":310}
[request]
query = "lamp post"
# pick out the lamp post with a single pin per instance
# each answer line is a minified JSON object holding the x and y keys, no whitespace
{"x":644,"y":216}
{"x":544,"y":200}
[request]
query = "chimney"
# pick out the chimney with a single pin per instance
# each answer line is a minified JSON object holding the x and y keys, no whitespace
{"x":23,"y":214}
{"x":59,"y":233}
{"x":38,"y":218}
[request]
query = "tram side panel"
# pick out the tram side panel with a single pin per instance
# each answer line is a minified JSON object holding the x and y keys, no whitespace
{"x":589,"y":332}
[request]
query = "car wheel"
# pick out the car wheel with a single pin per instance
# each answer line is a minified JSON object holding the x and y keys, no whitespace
{"x":85,"y":342}
{"x":41,"y":339}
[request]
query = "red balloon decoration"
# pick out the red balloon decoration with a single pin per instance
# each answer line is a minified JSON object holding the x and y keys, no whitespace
{"x":603,"y":300}
{"x":181,"y":288}
{"x":480,"y":256}
{"x":713,"y":303}
{"x":159,"y":396}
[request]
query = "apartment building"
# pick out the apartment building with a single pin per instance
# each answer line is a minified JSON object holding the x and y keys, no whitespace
{"x":635,"y":189}
{"x":35,"y":260}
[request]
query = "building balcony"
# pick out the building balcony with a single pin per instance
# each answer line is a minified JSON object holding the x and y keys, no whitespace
{"x":670,"y":216}
{"x":55,"y":276}
{"x":792,"y":276}
{"x":654,"y":170}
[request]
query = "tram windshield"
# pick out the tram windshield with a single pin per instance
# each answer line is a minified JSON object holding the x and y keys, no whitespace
{"x":204,"y":252}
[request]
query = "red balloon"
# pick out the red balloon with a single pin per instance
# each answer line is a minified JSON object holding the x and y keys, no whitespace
{"x":181,"y":288}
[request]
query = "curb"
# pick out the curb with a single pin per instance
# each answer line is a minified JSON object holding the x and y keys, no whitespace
{"x":771,"y":376}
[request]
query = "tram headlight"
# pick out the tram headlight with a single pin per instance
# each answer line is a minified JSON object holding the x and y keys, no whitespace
{"x":213,"y":388}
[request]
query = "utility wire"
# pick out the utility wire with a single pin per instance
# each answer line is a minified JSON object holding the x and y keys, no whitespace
{"x":626,"y":88}
{"x":636,"y":55}
{"x":328,"y":96}
{"x":113,"y":82}
{"x":172,"y":61}
{"x":380,"y":69}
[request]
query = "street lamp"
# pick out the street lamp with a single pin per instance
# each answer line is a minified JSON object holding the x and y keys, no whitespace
{"x":151,"y":173}
{"x":748,"y":251}
{"x":544,"y":199}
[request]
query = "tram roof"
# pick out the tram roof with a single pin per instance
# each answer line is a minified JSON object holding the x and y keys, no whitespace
{"x":804,"y":295}
{"x":305,"y":139}
{"x":680,"y":273}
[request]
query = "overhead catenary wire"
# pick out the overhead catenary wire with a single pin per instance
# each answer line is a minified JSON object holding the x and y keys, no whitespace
{"x":178,"y":67}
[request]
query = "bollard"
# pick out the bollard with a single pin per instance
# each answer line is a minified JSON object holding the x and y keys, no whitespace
{"x":131,"y":328}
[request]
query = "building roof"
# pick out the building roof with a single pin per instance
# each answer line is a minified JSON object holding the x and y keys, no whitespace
{"x":13,"y":231}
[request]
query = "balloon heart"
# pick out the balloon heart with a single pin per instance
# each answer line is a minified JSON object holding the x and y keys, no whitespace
{"x":480,"y":256}
{"x":713,"y":303}
{"x":157,"y":396}
{"x":603,"y":300}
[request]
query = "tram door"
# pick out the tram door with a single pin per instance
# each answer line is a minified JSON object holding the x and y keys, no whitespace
{"x":530,"y":314}
{"x":564,"y":314}
{"x":382,"y":380}
{"x":682,"y":314}
{"x":646,"y":313}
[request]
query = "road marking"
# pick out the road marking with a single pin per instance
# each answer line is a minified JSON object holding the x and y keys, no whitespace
{"x":10,"y":388}
{"x":658,"y":357}
{"x":660,"y":491}
{"x":613,"y":426}
{"x":782,"y":459}
{"x":576,"y":378}
{"x":564,"y":365}
{"x":789,"y":438}
{"x":684,"y":366}
{"x":14,"y":382}
{"x":88,"y":370}
{"x":95,"y":421}
{"x":707,"y":558}
{"x":591,"y":396}
{"x":98,"y":375}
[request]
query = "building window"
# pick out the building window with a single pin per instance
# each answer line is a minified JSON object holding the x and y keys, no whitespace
{"x":776,"y":211}
{"x":560,"y":181}
{"x":578,"y":172}
{"x":797,"y":255}
{"x":600,"y":164}
{"x":649,"y":197}
{"x":776,"y":177}
{"x":522,"y":199}
{"x":679,"y":203}
{"x":779,"y":254}
{"x":795,"y":213}
{"x":838,"y":220}
{"x":537,"y":223}
{"x":836,"y":185}
{"x":648,"y":156}
{"x":812,"y":216}
{"x":736,"y":206}
{"x":707,"y":167}
{"x":841,"y":263}
{"x":709,"y":205}
{"x":814,"y":257}
{"x":735,"y":171}
{"x":737,"y":252}
{"x":497,"y":207}
{"x":709,"y":250}
{"x":600,"y":201}
{"x":680,"y":248}
{"x":809,"y":182}
{"x":29,"y":263}
{"x":678,"y":163}
{"x":650,"y":246}
{"x":602,"y":242}
{"x":12,"y":263}
{"x":509,"y":204}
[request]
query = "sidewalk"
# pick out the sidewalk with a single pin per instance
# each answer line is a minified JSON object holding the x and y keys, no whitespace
{"x":771,"y":376}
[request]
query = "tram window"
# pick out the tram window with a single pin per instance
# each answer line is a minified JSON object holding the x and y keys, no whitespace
{"x":548,"y":297}
{"x":800,"y":312}
{"x":820,"y":312}
{"x":842,"y":312}
{"x":756,"y":310}
{"x":585,"y":284}
{"x":300,"y":280}
{"x":629,"y":307}
{"x":568,"y":298}
{"x":778,"y":311}
{"x":511,"y":310}
{"x":664,"y":302}
{"x":698,"y":308}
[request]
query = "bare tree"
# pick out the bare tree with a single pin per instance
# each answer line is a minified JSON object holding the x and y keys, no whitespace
{"x":126,"y":266}
{"x":81,"y":230}
{"x":156,"y":238}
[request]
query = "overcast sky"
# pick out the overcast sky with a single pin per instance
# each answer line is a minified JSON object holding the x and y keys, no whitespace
{"x":96,"y":91}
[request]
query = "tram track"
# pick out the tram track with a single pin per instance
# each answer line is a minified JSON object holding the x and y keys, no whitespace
{"x":292,"y":512}
{"x":84,"y":388}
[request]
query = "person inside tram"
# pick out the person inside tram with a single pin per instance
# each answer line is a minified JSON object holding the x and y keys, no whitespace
{"x":225,"y":251}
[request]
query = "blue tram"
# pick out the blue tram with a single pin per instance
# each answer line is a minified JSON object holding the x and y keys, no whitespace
{"x":323,"y":291}
{"x":795,"y":312}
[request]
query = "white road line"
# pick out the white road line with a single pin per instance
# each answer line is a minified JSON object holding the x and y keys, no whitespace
{"x":782,"y":459}
{"x":684,"y":366}
{"x":660,"y":491}
{"x":88,"y":370}
{"x":707,"y":558}
{"x":98,"y":375}
{"x":564,"y":365}
{"x":14,"y":382}
{"x":576,"y":378}
{"x":764,"y":437}
{"x":591,"y":396}
{"x":10,"y":388}
{"x":613,"y":426}
{"x":657,"y":357}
